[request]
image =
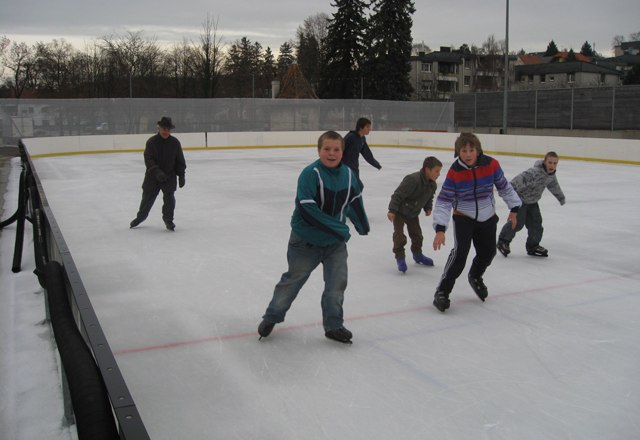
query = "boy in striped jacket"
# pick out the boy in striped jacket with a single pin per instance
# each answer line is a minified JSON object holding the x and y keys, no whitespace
{"x":468,"y":192}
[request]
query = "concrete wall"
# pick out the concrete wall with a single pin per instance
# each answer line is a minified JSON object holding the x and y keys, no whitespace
{"x":594,"y":149}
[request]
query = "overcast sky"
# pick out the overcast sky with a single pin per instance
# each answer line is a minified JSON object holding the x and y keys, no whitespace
{"x":532,"y":24}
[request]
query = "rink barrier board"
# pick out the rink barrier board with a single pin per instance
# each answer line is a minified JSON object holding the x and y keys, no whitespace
{"x":620,"y":151}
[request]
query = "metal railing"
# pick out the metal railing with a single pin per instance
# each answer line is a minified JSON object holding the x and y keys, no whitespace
{"x":96,"y":396}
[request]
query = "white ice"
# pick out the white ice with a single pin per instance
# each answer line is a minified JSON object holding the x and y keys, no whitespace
{"x":554,"y":352}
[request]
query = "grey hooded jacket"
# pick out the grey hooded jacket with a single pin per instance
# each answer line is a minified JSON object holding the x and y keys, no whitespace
{"x":530,"y":184}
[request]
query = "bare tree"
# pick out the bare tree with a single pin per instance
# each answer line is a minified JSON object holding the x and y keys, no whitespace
{"x":210,"y":57}
{"x":4,"y":44}
{"x":20,"y":60}
{"x":180,"y":65}
{"x":490,"y":63}
{"x":135,"y":59}
{"x":53,"y":61}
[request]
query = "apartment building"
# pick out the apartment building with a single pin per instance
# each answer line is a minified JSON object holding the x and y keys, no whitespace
{"x":440,"y":74}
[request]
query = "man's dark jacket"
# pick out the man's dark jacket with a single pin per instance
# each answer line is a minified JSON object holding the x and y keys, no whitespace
{"x":164,"y":161}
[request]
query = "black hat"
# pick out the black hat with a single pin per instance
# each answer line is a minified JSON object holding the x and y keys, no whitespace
{"x":165,"y":122}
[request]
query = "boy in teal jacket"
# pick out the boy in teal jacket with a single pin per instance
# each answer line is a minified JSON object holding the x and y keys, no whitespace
{"x":328,"y":193}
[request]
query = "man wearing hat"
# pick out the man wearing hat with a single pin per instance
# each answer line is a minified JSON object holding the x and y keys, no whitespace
{"x":164,"y":161}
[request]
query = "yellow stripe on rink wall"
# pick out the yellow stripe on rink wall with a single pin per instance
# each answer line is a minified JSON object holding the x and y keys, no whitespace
{"x":622,"y":151}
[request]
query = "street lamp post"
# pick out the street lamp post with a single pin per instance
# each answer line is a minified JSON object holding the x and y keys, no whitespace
{"x":506,"y":73}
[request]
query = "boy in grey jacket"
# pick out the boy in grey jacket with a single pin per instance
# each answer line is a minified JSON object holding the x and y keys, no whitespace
{"x":414,"y":194}
{"x":530,"y":185}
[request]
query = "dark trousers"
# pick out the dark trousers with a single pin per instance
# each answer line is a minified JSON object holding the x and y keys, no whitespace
{"x":467,"y":231}
{"x":400,"y":240}
{"x":149,"y":198}
{"x":530,"y":216}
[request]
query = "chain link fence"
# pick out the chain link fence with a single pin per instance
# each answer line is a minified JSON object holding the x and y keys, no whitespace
{"x":599,"y":108}
{"x":23,"y":118}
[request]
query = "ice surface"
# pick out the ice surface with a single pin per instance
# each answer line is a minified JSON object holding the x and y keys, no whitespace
{"x":554,"y":352}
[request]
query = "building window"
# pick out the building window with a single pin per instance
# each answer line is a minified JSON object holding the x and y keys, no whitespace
{"x":426,"y":67}
{"x":551,"y":78}
{"x":467,"y":81}
{"x":571,"y":78}
{"x":542,"y":78}
{"x":603,"y":79}
{"x":530,"y":79}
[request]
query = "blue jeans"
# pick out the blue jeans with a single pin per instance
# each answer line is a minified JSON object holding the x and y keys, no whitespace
{"x":303,"y":258}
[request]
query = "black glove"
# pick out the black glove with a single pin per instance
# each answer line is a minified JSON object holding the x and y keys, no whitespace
{"x":181,"y":181}
{"x":160,"y":176}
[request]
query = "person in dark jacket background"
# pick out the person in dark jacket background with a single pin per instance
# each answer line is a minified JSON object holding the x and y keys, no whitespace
{"x":414,"y":194}
{"x":355,"y":144}
{"x":164,"y":162}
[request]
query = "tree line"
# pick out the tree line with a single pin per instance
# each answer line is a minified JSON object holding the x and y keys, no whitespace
{"x":362,"y":51}
{"x":334,"y":53}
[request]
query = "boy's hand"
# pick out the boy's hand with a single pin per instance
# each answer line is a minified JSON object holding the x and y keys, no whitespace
{"x":438,"y":241}
{"x":513,"y":219}
{"x":391,"y":216}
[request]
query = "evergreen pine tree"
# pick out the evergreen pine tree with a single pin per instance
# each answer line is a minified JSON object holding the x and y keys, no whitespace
{"x":387,"y":65}
{"x":552,"y":49}
{"x":342,"y":67}
{"x":285,"y":59}
{"x":587,"y":50}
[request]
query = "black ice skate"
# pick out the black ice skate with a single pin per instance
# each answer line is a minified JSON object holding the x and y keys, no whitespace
{"x":135,"y":222}
{"x":479,"y":287}
{"x":340,"y":334}
{"x":265,"y":328}
{"x":537,"y":251}
{"x":503,"y":247}
{"x":441,"y":300}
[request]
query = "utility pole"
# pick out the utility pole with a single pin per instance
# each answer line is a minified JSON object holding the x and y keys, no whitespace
{"x":506,"y":73}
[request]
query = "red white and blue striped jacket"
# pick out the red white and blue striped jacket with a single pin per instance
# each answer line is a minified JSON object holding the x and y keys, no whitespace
{"x":469,"y":191}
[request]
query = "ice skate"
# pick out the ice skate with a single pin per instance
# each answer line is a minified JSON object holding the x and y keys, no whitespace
{"x":265,"y":328}
{"x":340,"y":334}
{"x":537,"y":251}
{"x":441,"y":301}
{"x":479,"y":287}
{"x":503,"y":247}
{"x":402,"y":264}
{"x":422,"y":259}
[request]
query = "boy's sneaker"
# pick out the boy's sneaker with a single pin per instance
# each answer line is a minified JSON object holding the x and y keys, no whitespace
{"x":421,"y":259}
{"x":479,"y":287}
{"x":402,"y":265}
{"x":537,"y":251}
{"x":503,"y":247}
{"x":340,"y":334}
{"x":441,"y":300}
{"x":265,"y":328}
{"x":170,"y":225}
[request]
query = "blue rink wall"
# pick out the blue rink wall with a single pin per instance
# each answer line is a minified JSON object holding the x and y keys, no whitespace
{"x":591,"y":149}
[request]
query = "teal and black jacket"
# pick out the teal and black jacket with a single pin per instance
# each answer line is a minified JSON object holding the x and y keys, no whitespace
{"x":325,"y":198}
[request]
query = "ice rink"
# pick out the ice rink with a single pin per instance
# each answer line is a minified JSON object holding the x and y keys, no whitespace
{"x":554,"y":352}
